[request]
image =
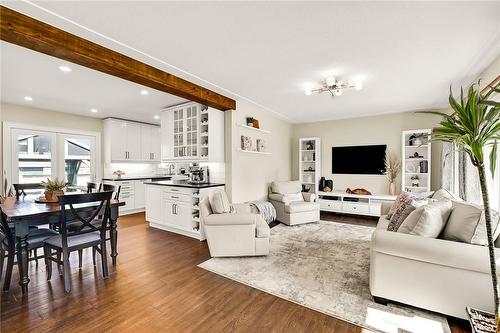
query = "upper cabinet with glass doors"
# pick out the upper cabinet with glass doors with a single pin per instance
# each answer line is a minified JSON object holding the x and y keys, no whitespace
{"x":192,"y":132}
{"x":128,"y":141}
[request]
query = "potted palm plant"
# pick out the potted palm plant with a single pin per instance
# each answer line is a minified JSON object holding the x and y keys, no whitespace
{"x":53,"y":189}
{"x":473,"y":126}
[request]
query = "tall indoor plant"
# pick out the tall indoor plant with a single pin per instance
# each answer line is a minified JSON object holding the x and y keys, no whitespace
{"x":473,"y":126}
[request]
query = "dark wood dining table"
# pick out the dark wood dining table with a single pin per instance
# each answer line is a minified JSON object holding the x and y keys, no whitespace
{"x":24,"y":212}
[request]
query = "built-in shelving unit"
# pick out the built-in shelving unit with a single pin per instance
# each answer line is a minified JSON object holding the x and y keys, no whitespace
{"x":416,"y":161}
{"x":310,"y":163}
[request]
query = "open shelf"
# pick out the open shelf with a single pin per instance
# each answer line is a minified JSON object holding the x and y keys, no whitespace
{"x":254,"y":152}
{"x":254,"y":129}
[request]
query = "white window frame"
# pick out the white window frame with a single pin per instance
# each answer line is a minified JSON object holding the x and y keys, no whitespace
{"x":57,"y":151}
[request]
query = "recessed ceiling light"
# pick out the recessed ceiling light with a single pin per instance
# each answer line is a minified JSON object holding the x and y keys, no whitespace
{"x":65,"y":69}
{"x":144,"y":92}
{"x":157,"y":117}
{"x":93,"y":110}
{"x":28,"y":98}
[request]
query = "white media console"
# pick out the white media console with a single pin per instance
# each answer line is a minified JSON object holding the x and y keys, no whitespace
{"x":342,"y":202}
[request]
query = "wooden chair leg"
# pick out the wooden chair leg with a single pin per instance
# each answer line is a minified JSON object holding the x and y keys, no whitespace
{"x":59,"y":268}
{"x":80,"y":258}
{"x":66,"y":271}
{"x":8,"y":271}
{"x":35,"y":255}
{"x":2,"y":259}
{"x":94,"y":250}
{"x":104,"y":258}
{"x":48,"y":262}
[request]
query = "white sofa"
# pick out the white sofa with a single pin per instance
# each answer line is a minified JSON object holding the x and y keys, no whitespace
{"x":435,"y":274}
{"x":242,"y":233}
{"x":296,"y":212}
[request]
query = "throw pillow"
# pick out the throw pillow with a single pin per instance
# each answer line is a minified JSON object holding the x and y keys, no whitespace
{"x":294,"y":197}
{"x":427,"y":220}
{"x":220,"y":203}
{"x":467,"y":224}
{"x":443,"y":194}
{"x":403,"y":198}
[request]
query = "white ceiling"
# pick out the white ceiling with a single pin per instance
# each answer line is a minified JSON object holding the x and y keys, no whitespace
{"x":406,"y":53}
{"x":28,"y":73}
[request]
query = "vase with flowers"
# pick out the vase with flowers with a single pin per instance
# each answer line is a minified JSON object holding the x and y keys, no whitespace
{"x":392,"y":169}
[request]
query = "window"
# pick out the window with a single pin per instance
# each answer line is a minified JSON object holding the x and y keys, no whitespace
{"x":33,"y":154}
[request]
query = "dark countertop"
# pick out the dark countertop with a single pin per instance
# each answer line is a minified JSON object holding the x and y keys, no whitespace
{"x":178,"y":183}
{"x":138,"y":178}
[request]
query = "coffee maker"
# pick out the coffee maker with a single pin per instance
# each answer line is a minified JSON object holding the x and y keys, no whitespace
{"x":199,"y":174}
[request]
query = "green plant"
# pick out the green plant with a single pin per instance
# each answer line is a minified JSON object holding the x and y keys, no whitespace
{"x":392,"y":166}
{"x":54,"y":184}
{"x":473,"y":126}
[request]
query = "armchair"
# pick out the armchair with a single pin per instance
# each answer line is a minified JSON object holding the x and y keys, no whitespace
{"x":241,"y":233}
{"x":293,"y":212}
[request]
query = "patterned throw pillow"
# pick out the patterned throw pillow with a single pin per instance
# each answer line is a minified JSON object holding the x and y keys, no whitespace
{"x":404,"y":205}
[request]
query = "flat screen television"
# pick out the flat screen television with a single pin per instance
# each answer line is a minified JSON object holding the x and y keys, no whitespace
{"x":360,"y":160}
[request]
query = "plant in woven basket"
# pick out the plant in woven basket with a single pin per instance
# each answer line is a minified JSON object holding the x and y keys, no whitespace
{"x":54,"y":188}
{"x":473,"y":126}
{"x":392,"y":169}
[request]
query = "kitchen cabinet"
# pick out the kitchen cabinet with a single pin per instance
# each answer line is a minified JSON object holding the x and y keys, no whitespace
{"x":192,"y":132}
{"x":176,"y":209}
{"x":139,"y":194}
{"x":133,"y":193}
{"x":150,"y":143}
{"x":128,"y":141}
{"x":154,"y":204}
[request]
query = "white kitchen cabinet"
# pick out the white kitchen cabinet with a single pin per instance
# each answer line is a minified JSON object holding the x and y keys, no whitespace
{"x":128,"y":141}
{"x":167,"y":136}
{"x":154,"y":204}
{"x":140,"y":194}
{"x":192,"y":132}
{"x":150,"y":143}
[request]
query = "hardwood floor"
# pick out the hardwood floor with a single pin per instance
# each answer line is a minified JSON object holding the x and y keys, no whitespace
{"x":157,"y":287}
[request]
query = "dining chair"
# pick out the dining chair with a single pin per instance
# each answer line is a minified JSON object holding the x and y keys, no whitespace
{"x":8,"y":249}
{"x":93,"y":187}
{"x":85,"y":236}
{"x":21,"y":188}
{"x":96,"y":222}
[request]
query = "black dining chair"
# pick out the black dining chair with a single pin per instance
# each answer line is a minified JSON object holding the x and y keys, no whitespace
{"x":22,"y":188}
{"x":8,"y":249}
{"x":85,"y":236}
{"x":96,"y":222}
{"x":93,"y":187}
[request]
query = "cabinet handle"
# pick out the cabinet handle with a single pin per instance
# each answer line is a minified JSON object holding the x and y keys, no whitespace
{"x":175,"y":209}
{"x":174,"y":197}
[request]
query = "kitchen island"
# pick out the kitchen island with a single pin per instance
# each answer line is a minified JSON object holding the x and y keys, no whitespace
{"x":174,"y":206}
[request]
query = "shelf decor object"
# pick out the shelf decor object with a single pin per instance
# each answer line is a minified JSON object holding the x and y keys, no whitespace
{"x":249,"y":144}
{"x":310,"y":163}
{"x":416,"y":160}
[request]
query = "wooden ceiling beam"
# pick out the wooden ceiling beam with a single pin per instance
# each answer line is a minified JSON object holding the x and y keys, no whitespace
{"x":25,"y":31}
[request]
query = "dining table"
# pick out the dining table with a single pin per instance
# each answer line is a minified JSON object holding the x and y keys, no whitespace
{"x":26,"y":211}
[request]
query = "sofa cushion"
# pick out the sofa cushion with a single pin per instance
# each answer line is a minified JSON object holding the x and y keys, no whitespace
{"x":297,"y":207}
{"x":294,"y":197}
{"x":443,"y":194}
{"x":467,"y":224}
{"x":219,"y":202}
{"x":286,"y":187}
{"x":480,"y":236}
{"x":427,"y":220}
{"x":230,"y":219}
{"x":262,"y":230}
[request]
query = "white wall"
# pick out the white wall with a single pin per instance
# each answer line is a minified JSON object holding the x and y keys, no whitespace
{"x":384,"y":129}
{"x":248,"y":175}
{"x":33,"y":116}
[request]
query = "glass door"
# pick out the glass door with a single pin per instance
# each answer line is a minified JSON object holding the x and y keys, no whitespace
{"x":78,"y":162}
{"x":33,"y":155}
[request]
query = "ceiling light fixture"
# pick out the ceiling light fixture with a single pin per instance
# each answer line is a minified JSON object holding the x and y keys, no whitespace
{"x":93,"y":110}
{"x":28,"y":98}
{"x":144,"y":92}
{"x":64,"y":69}
{"x":157,"y":117}
{"x":334,"y":87}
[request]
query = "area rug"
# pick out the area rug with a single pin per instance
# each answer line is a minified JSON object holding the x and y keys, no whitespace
{"x":325,"y":266}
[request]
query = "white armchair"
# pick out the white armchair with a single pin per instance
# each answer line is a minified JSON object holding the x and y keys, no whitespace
{"x":241,"y":233}
{"x":293,"y":212}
